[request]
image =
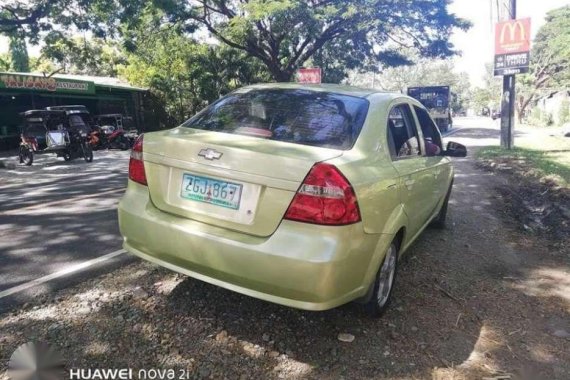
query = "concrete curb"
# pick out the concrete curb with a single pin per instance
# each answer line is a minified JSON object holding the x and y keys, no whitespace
{"x":7,"y":165}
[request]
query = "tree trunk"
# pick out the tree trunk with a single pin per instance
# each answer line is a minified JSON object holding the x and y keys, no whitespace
{"x":280,"y":75}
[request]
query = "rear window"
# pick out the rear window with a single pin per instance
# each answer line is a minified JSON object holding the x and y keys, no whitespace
{"x":297,"y":116}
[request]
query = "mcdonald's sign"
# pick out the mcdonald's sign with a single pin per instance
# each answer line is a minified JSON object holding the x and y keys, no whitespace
{"x":512,"y":36}
{"x":512,"y":47}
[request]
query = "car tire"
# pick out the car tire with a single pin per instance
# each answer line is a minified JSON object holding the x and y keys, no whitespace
{"x":440,"y":219}
{"x":26,"y":156}
{"x":67,"y":156}
{"x":383,"y":285}
{"x":87,"y":153}
{"x":124,"y":144}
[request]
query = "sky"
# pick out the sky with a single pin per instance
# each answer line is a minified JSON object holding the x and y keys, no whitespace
{"x":477,"y":43}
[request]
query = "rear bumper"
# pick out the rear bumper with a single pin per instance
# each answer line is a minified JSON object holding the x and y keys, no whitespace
{"x":300,"y":265}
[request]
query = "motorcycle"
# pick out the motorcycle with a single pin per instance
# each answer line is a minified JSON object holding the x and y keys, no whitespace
{"x":108,"y":137}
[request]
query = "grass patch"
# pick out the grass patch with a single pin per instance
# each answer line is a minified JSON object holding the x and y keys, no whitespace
{"x":555,"y":162}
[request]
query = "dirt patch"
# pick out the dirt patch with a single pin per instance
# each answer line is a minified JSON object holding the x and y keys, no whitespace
{"x":538,"y":203}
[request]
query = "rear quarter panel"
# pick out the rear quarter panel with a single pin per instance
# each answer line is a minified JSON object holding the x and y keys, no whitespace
{"x":370,"y":171}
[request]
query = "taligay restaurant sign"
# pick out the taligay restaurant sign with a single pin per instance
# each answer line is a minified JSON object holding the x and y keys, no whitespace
{"x":38,"y":83}
{"x":512,"y":47}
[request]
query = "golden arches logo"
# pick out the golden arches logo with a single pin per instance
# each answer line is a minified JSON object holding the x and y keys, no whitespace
{"x":512,"y":28}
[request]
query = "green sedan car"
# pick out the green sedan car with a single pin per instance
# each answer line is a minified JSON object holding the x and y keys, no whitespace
{"x":302,"y":195}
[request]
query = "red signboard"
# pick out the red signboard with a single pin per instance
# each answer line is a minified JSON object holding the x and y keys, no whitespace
{"x":512,"y":47}
{"x":512,"y":36}
{"x":311,"y":75}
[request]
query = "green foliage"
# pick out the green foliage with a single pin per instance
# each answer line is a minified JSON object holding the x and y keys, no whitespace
{"x":286,"y":34}
{"x":5,"y":62}
{"x":490,"y":94}
{"x":544,"y":162}
{"x":564,"y":112}
{"x":536,"y":116}
{"x":34,"y":17}
{"x":551,"y":49}
{"x":184,"y":75}
{"x":427,"y":72}
{"x":540,"y":118}
{"x":78,"y":55}
{"x":20,"y":61}
{"x":550,"y":60}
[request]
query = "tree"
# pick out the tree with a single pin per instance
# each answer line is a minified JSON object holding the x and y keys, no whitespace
{"x":286,"y":34}
{"x":16,"y":16}
{"x":84,"y":56}
{"x":550,"y":59}
{"x":19,"y":53}
{"x":427,"y":72}
{"x":184,"y":75}
{"x":490,"y":94}
{"x":5,"y":62}
{"x":101,"y":17}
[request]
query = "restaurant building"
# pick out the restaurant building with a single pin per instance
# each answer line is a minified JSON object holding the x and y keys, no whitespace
{"x":20,"y":92}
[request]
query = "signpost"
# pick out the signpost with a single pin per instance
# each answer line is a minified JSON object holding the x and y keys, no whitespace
{"x":49,"y":84}
{"x":512,"y":56}
{"x":512,"y":47}
{"x":309,"y":75}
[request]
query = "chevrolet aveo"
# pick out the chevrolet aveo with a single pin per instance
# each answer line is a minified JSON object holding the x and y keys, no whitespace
{"x":302,"y":195}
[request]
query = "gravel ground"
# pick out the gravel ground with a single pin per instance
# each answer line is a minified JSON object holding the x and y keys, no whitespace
{"x":481,"y":299}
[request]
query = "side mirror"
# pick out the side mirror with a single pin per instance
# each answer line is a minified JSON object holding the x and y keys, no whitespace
{"x":455,"y":150}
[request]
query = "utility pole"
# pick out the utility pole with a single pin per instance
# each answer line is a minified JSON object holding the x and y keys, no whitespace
{"x":508,"y":99}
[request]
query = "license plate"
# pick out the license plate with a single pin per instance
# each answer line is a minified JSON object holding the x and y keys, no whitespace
{"x":213,"y":191}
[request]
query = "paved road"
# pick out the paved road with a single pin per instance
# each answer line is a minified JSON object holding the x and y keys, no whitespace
{"x":56,"y":216}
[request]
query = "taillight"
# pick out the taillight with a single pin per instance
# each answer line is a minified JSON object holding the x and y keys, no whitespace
{"x":325,"y":197}
{"x":136,"y":164}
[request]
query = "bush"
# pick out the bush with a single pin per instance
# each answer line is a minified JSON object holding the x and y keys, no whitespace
{"x":536,"y":116}
{"x":564,"y":112}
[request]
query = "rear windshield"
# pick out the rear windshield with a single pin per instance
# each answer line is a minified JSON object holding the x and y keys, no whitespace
{"x":297,"y":116}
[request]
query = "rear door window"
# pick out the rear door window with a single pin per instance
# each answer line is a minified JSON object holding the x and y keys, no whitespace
{"x":297,"y":116}
{"x":432,"y":136}
{"x":403,"y":138}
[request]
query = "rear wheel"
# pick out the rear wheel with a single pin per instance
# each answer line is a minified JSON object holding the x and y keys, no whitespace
{"x":66,"y":156}
{"x":26,"y":156}
{"x":384,"y":283}
{"x":439,"y":221}
{"x":124,"y":143}
{"x":87,"y":152}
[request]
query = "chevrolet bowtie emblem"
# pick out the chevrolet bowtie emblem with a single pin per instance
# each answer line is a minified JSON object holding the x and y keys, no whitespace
{"x":210,"y":154}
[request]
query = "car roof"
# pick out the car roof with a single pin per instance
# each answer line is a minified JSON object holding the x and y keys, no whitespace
{"x":66,"y":107}
{"x":324,"y":87}
{"x":42,"y":113}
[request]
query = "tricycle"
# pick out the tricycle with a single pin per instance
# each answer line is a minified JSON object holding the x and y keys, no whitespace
{"x":50,"y":131}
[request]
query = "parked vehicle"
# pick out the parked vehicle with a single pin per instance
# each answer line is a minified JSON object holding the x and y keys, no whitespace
{"x":106,"y":137}
{"x":80,"y":112}
{"x":437,"y":100}
{"x":45,"y":131}
{"x":496,"y":115}
{"x":110,"y":133}
{"x":302,"y":195}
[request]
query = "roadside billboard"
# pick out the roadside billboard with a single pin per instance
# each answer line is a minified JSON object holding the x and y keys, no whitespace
{"x":512,"y":47}
{"x":309,"y":75}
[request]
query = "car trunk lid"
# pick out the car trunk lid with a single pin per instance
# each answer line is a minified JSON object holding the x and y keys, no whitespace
{"x":237,"y":182}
